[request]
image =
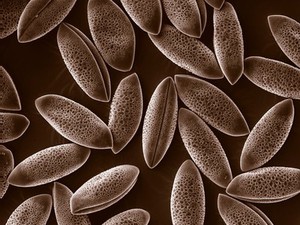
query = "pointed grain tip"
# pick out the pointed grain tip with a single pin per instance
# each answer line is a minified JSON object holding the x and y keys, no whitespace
{"x":232,"y":187}
{"x":271,"y":18}
{"x":286,"y":107}
{"x":246,"y":163}
{"x":17,"y":178}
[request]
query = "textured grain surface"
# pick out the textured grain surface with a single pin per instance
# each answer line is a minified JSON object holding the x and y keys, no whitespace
{"x":187,"y":52}
{"x":40,"y":17}
{"x":61,"y":204}
{"x":48,"y":165}
{"x":187,"y":196}
{"x":84,"y":62}
{"x":204,"y":148}
{"x":9,"y":97}
{"x":6,"y":166}
{"x":228,"y":42}
{"x":125,"y":111}
{"x":268,"y":135}
{"x":211,"y":104}
{"x":234,"y":212}
{"x":113,"y":35}
{"x":261,"y":213}
{"x":185,"y":16}
{"x":273,"y":76}
{"x":10,"y":12}
{"x":74,"y":122}
{"x":286,"y":32}
{"x":160,"y":122}
{"x":37,"y":69}
{"x":147,"y":14}
{"x":12,"y":126}
{"x":35,"y":210}
{"x":104,"y":189}
{"x":266,"y":184}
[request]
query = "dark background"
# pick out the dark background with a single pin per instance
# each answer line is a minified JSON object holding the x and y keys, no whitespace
{"x":37,"y":69}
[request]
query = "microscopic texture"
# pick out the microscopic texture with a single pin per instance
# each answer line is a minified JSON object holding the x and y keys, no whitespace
{"x":268,"y":135}
{"x":40,"y":17}
{"x":286,"y":32}
{"x":266,"y":184}
{"x":261,"y":213}
{"x":10,"y":12}
{"x":187,"y":196}
{"x":143,"y":112}
{"x":9,"y":97}
{"x":228,"y":42}
{"x":216,"y":4}
{"x":84,"y":62}
{"x":204,"y":148}
{"x":48,"y":165}
{"x":125,"y":111}
{"x":130,"y":217}
{"x":104,"y":189}
{"x":273,"y":76}
{"x":147,"y":14}
{"x":112,"y":33}
{"x":187,"y":52}
{"x":211,"y":104}
{"x":33,"y":211}
{"x":234,"y":212}
{"x":6,"y":166}
{"x":61,"y":204}
{"x":12,"y":126}
{"x":74,"y":121}
{"x":185,"y":15}
{"x":160,"y":122}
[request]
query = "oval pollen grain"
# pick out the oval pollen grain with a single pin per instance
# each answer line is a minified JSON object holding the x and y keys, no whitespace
{"x":268,"y":135}
{"x":84,"y":62}
{"x":234,"y":212}
{"x":104,"y":189}
{"x":160,"y":122}
{"x":187,"y":52}
{"x":266,"y":184}
{"x":112,"y":33}
{"x":273,"y":76}
{"x":48,"y":165}
{"x":228,"y":42}
{"x":204,"y":148}
{"x":212,"y":105}
{"x":187,"y":196}
{"x":125,"y":111}
{"x":74,"y":121}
